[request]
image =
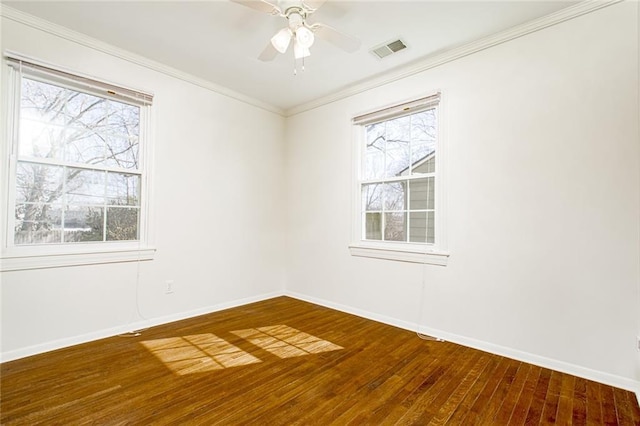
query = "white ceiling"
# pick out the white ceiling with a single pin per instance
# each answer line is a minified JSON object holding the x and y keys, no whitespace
{"x":220,"y":41}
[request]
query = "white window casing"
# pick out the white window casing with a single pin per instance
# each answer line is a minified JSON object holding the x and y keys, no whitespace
{"x":433,"y":250}
{"x":47,"y":255}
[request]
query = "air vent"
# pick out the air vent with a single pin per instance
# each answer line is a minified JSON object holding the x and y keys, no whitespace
{"x":389,"y":48}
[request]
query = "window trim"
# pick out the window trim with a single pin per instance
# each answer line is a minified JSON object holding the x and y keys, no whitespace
{"x":38,"y":256}
{"x":434,"y":254}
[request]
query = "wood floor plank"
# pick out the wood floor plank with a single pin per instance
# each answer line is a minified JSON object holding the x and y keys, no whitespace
{"x":317,"y":367}
{"x":426,"y":405}
{"x":519,"y":413}
{"x":609,"y":415}
{"x":398,"y":402}
{"x":511,"y":398}
{"x":538,"y":399}
{"x":398,"y":411}
{"x":580,"y":402}
{"x":486,"y":407}
{"x":564,"y":413}
{"x":635,"y":408}
{"x":552,"y":399}
{"x":381,"y":386}
{"x":454,"y":402}
{"x":463,"y":411}
{"x":594,"y":403}
{"x":623,"y":407}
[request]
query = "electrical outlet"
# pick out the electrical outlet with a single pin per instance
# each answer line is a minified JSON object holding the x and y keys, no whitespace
{"x":169,"y":288}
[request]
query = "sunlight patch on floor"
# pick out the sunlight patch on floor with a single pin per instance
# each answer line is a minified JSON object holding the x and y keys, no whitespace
{"x":286,"y":342}
{"x":198,"y":353}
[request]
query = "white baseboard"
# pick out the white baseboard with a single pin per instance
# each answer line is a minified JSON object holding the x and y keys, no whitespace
{"x":561,"y":366}
{"x":126,"y":328}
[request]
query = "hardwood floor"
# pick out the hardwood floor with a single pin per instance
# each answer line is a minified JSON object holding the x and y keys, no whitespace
{"x":287,"y":362}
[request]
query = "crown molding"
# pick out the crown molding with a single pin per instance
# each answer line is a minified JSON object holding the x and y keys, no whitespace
{"x":84,"y":40}
{"x":450,"y":55}
{"x":427,"y":63}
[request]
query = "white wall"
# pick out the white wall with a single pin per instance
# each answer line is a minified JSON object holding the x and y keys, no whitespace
{"x":543,"y":189}
{"x":218,"y":214}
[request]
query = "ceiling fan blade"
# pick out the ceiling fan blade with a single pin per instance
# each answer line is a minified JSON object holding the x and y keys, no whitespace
{"x":260,"y":5}
{"x":343,"y":41}
{"x":314,"y":4}
{"x":269,"y":53}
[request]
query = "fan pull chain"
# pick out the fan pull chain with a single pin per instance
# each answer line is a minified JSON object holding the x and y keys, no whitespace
{"x":295,"y":65}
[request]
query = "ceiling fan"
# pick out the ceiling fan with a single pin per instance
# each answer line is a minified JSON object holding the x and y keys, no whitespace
{"x":298,"y":29}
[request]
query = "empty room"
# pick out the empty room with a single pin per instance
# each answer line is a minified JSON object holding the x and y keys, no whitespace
{"x":320,"y":212}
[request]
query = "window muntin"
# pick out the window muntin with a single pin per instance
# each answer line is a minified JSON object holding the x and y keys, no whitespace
{"x":398,"y":177}
{"x":77,"y":173}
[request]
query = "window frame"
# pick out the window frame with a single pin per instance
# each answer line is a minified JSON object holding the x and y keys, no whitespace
{"x":436,"y":253}
{"x":47,"y":255}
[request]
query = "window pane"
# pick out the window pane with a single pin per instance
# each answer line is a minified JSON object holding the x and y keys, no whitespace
{"x":418,"y":227}
{"x":37,"y":224}
{"x":373,"y":164}
{"x":122,"y":223}
{"x":425,"y":164}
{"x":395,"y":197}
{"x":423,"y":141}
{"x":431,"y":226}
{"x":372,"y":197}
{"x":123,"y":189}
{"x":83,"y":223}
{"x":374,"y":151}
{"x":422,"y":227}
{"x":85,"y":186}
{"x":398,"y":158}
{"x":122,"y":141}
{"x":398,"y":138}
{"x":124,"y":119}
{"x":422,"y":193}
{"x":38,"y":183}
{"x":373,"y":226}
{"x":395,"y":226}
{"x":41,"y":140}
{"x":122,"y":152}
{"x":42,"y":101}
{"x":86,"y":113}
{"x":84,"y":147}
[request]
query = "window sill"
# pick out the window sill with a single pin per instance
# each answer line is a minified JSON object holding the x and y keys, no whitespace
{"x":57,"y":259}
{"x":400,"y":253}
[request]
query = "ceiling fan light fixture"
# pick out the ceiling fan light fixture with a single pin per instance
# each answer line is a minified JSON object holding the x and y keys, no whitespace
{"x":300,"y":51}
{"x":281,"y":40}
{"x":304,"y":37}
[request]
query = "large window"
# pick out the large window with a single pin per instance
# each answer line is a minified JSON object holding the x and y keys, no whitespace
{"x":76,"y":161}
{"x":398,"y":180}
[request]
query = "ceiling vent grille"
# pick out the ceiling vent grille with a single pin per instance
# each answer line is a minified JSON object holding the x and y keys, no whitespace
{"x":388,"y":48}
